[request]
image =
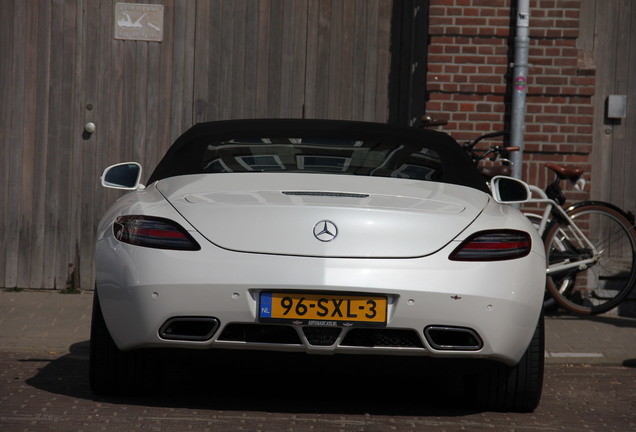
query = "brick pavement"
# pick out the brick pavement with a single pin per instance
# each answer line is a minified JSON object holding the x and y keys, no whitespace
{"x":46,"y":392}
{"x":51,"y":321}
{"x":44,"y":385}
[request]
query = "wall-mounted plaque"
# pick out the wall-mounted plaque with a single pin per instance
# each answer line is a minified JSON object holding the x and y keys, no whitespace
{"x":142,"y":22}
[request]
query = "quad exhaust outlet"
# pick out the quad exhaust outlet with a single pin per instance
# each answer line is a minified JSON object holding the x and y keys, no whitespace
{"x":444,"y":338}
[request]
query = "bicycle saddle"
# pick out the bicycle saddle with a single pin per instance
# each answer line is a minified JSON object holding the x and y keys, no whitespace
{"x":566,"y":172}
{"x":492,"y":171}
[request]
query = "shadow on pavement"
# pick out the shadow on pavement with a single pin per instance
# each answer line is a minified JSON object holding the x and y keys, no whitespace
{"x":616,"y":321}
{"x":273,"y":382}
{"x":610,"y":320}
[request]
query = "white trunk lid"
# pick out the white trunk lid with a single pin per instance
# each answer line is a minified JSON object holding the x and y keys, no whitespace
{"x":299,"y":214}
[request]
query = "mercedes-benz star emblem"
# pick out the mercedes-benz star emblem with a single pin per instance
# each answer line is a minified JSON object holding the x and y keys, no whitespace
{"x":325,"y":231}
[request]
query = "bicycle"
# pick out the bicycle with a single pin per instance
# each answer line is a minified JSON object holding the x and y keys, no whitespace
{"x":590,"y":246}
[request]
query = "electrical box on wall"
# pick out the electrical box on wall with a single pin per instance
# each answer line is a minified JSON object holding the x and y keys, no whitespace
{"x":616,"y":106}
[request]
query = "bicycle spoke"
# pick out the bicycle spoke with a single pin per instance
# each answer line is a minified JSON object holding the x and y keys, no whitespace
{"x":603,"y":278}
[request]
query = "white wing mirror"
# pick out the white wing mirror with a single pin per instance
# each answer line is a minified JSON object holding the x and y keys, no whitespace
{"x":124,"y":176}
{"x":509,"y":190}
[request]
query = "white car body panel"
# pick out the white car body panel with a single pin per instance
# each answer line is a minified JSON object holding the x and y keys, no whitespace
{"x":261,"y":213}
{"x":140,"y":288}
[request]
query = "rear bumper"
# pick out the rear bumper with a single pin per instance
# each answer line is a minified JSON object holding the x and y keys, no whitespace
{"x":436,"y":307}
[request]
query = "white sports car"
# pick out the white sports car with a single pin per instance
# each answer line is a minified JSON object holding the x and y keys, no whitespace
{"x":319,"y":236}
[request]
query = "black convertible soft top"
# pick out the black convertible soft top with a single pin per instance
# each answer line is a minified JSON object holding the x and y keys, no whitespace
{"x":188,"y":152}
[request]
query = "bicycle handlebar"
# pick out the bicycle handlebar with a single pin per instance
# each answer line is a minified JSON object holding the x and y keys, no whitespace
{"x":495,"y":150}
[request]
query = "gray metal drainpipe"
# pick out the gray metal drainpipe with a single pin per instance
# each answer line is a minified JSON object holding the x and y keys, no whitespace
{"x":520,"y":85}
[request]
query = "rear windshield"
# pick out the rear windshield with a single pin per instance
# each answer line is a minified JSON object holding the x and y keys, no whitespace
{"x":319,"y":146}
{"x":315,"y":155}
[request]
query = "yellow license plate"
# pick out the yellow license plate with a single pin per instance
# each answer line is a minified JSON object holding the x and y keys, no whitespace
{"x":323,"y":309}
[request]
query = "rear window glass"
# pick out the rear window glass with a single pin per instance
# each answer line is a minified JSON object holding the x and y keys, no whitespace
{"x":315,"y":155}
{"x":335,"y":147}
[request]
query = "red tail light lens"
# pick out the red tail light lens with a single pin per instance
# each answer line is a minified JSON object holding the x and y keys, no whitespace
{"x":153,"y":232}
{"x":493,"y":246}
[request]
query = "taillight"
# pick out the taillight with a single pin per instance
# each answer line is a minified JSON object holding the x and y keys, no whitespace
{"x":153,"y":232}
{"x":493,"y":246}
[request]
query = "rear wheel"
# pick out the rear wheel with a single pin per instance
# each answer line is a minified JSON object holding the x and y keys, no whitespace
{"x":516,"y":388}
{"x":608,"y":278}
{"x":115,"y":372}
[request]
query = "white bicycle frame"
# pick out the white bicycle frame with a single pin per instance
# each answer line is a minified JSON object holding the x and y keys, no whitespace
{"x":576,"y":231}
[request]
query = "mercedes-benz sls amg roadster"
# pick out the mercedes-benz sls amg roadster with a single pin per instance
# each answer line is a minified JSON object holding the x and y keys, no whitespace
{"x":319,"y":237}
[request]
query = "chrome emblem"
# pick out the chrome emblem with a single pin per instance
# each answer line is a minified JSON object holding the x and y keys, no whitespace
{"x":325,"y":231}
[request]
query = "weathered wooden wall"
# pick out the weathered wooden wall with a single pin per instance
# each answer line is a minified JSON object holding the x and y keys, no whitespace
{"x":61,"y":67}
{"x":608,"y":34}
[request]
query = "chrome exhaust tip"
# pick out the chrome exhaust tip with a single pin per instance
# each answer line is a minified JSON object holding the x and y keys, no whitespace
{"x":444,"y":338}
{"x":189,"y":328}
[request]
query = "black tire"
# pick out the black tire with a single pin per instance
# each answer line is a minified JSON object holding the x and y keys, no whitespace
{"x":518,"y":388}
{"x":115,"y":372}
{"x":604,"y":284}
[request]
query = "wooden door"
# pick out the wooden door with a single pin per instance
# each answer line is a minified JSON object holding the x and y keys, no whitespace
{"x":63,"y":67}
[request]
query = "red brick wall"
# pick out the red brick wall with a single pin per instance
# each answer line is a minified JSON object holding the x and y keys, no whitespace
{"x":468,"y":81}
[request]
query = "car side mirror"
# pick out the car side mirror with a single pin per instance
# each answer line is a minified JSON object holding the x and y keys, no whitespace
{"x":124,"y":176}
{"x":509,"y":190}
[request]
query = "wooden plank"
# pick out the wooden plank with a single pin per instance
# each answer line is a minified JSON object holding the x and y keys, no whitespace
{"x":212,"y":33}
{"x":6,"y":81}
{"x":604,"y":41}
{"x":275,"y":59}
{"x":154,"y":119}
{"x":127,"y":114}
{"x":371,"y":62}
{"x":385,"y":8}
{"x":92,"y":33}
{"x":322,"y":59}
{"x":165,"y":83}
{"x":6,"y":48}
{"x":226,"y":37}
{"x":14,"y":154}
{"x":76,"y":199}
{"x":188,"y":101}
{"x":311,"y":75}
{"x":290,"y":22}
{"x":38,"y":260}
{"x":628,"y":126}
{"x":615,"y":70}
{"x":263,"y":53}
{"x":347,"y":60}
{"x":201,"y":59}
{"x":334,"y":81}
{"x":140,"y":101}
{"x":28,"y":186}
{"x":113,"y":70}
{"x":55,"y":108}
{"x":237,"y":61}
{"x":359,"y":67}
{"x":292,"y":73}
{"x":621,"y":166}
{"x":587,"y":18}
{"x":299,"y":57}
{"x":252,"y":78}
{"x":179,"y":84}
{"x":66,"y":242}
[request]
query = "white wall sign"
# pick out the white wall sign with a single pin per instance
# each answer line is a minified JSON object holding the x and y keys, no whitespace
{"x":142,"y":22}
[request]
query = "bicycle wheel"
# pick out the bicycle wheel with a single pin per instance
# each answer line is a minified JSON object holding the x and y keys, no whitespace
{"x":606,"y":273}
